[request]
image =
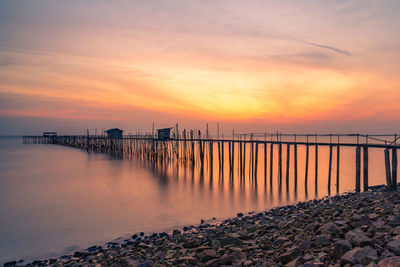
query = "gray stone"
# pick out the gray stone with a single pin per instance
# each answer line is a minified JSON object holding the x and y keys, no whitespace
{"x":322,"y":240}
{"x":230,"y":241}
{"x":208,"y":255}
{"x":359,"y":255}
{"x":394,"y":246}
{"x":341,"y":247}
{"x":224,"y":260}
{"x":330,"y":228}
{"x":357,"y":238}
{"x":392,"y":262}
{"x":290,"y":255}
{"x":305,"y":245}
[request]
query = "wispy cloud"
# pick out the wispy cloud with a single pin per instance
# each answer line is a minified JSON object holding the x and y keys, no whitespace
{"x":335,"y":49}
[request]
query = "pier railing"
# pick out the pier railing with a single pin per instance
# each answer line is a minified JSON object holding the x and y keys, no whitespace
{"x":194,"y":149}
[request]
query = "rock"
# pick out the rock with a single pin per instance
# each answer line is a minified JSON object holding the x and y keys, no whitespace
{"x":176,"y":232}
{"x":145,"y":264}
{"x":208,"y":255}
{"x":357,"y":238}
{"x":238,"y":254}
{"x":240,"y":215}
{"x":191,"y":243}
{"x":394,"y":246}
{"x":230,"y":241}
{"x":359,"y":255}
{"x":10,"y":264}
{"x":296,"y":262}
{"x":330,"y":228}
{"x":378,"y":224}
{"x":322,"y":240}
{"x":390,"y":262}
{"x":290,"y":255}
{"x":224,"y":260}
{"x":305,"y":245}
{"x":341,"y":247}
{"x":186,"y":259}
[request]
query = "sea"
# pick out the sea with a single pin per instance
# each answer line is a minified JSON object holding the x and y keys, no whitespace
{"x":55,"y":200}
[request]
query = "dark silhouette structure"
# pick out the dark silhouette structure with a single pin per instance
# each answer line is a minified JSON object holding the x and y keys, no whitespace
{"x":114,"y":133}
{"x":49,"y":134}
{"x":164,"y":134}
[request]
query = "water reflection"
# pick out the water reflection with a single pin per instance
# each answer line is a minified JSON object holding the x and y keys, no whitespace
{"x":53,"y":197}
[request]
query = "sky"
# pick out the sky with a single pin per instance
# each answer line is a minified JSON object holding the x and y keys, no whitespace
{"x":251,"y":66}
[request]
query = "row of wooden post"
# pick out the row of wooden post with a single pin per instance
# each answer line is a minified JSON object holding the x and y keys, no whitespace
{"x":139,"y":147}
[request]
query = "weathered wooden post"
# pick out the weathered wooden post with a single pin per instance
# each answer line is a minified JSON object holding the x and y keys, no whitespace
{"x":358,"y":161}
{"x":306,"y":168}
{"x":280,"y":165}
{"x":330,"y":169}
{"x":265,"y":164}
{"x":316,"y":165}
{"x":295,"y":166}
{"x":222,"y":155}
{"x":287,"y":165}
{"x":365,"y":166}
{"x":387,"y":168}
{"x":256,"y":161}
{"x":271,"y":164}
{"x":394,"y":168}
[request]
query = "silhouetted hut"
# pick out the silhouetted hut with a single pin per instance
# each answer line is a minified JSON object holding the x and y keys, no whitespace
{"x":114,"y":133}
{"x":49,"y":134}
{"x":164,"y":134}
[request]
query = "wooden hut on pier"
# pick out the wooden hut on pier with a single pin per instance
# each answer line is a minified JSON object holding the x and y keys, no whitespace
{"x":164,"y":134}
{"x":114,"y":133}
{"x":49,"y":134}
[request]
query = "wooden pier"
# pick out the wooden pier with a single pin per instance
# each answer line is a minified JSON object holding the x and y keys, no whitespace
{"x":190,"y":147}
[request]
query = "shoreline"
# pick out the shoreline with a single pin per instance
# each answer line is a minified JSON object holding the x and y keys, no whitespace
{"x":352,"y":228}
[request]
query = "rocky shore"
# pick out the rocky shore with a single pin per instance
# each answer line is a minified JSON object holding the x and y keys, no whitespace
{"x":347,"y":230}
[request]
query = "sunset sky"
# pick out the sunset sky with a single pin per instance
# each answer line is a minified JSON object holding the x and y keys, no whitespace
{"x":305,"y":66}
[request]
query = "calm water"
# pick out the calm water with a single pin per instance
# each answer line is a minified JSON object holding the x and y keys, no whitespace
{"x":55,"y":200}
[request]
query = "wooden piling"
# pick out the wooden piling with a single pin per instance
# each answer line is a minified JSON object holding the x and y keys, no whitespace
{"x":337,"y":168}
{"x":295,"y":167}
{"x":316,"y":169}
{"x":358,"y":161}
{"x":280,"y":166}
{"x":271,"y":164}
{"x":330,"y":170}
{"x":265,"y":164}
{"x":365,"y":166}
{"x":287,"y":165}
{"x":256,"y":161}
{"x":387,"y":168}
{"x":306,"y":167}
{"x":394,"y":168}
